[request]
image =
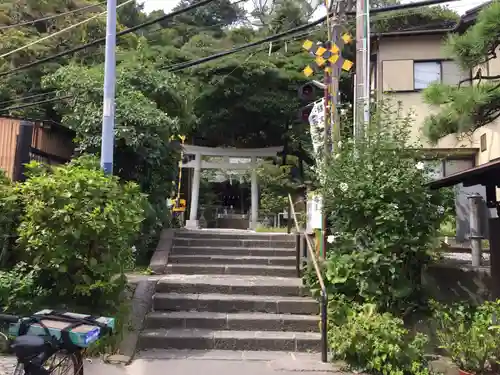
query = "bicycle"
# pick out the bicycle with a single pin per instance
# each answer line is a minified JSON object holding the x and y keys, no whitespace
{"x":35,"y":342}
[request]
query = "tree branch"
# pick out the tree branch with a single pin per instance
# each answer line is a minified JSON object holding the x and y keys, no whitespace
{"x":478,"y":77}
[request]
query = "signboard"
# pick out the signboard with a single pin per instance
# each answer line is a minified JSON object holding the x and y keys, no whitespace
{"x":314,"y":212}
{"x":181,"y":207}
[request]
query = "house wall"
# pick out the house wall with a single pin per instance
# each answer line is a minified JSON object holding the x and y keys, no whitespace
{"x":9,"y":129}
{"x":394,"y":80}
{"x":395,"y":74}
{"x":48,"y":138}
{"x":53,"y":139}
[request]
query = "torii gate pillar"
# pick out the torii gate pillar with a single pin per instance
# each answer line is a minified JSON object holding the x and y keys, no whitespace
{"x":192,"y":222}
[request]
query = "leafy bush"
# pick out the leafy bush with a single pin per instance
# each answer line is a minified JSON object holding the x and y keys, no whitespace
{"x":383,"y":217}
{"x":10,"y":209}
{"x":19,"y":292}
{"x":370,"y":341}
{"x":469,"y":334}
{"x":78,"y":227}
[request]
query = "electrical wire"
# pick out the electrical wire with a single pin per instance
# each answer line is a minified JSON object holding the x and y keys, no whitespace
{"x":6,"y":27}
{"x":36,"y":103}
{"x":272,"y":38}
{"x":290,"y":38}
{"x":70,"y":96}
{"x":102,"y":40}
{"x":61,"y":31}
{"x":294,"y":36}
{"x":27,"y":97}
{"x":237,"y":49}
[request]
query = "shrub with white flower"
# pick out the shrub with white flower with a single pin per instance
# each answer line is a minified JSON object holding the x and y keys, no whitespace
{"x":381,"y":204}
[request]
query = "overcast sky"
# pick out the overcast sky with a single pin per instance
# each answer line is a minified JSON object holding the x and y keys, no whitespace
{"x":460,"y":6}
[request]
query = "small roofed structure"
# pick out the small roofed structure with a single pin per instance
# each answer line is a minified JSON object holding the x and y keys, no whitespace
{"x":487,"y":175}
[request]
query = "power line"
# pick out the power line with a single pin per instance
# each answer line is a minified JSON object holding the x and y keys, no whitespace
{"x":36,"y":103}
{"x":240,"y":64}
{"x":265,"y":40}
{"x":50,"y":17}
{"x":180,"y":66}
{"x":27,"y":97}
{"x":292,"y":37}
{"x":102,"y":40}
{"x":61,"y":31}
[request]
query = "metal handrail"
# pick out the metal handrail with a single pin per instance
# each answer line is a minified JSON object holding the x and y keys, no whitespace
{"x":324,"y":295}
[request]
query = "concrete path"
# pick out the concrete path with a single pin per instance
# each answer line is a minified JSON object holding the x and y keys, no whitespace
{"x":192,"y":362}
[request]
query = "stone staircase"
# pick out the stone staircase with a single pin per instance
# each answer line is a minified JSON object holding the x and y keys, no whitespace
{"x":232,"y":290}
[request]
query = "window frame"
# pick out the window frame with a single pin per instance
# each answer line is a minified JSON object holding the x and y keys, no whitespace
{"x":437,"y":61}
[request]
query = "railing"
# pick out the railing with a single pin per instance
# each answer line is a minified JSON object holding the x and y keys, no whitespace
{"x":45,"y":157}
{"x":324,"y":295}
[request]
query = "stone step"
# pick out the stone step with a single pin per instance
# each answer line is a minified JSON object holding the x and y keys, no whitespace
{"x":234,"y":303}
{"x":236,"y":235}
{"x":232,"y":321}
{"x":232,"y":284}
{"x":231,"y":259}
{"x":179,"y":338}
{"x":231,"y":242}
{"x":232,"y":251}
{"x":232,"y":269}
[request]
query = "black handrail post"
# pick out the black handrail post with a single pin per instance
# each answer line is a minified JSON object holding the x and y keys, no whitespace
{"x":289,"y":220}
{"x":297,"y":252}
{"x":324,"y":326}
{"x":304,"y":245}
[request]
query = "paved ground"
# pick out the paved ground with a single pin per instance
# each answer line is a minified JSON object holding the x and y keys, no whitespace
{"x":191,"y":362}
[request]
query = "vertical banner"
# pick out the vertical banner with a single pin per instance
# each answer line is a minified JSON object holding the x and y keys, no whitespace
{"x":317,"y":125}
{"x":314,"y":212}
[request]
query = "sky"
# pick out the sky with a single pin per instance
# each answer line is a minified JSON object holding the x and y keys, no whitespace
{"x":461,"y":6}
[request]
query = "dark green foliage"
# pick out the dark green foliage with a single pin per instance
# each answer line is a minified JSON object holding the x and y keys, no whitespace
{"x":76,"y":234}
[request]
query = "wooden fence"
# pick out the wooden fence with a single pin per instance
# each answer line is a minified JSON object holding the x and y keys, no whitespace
{"x":22,"y":141}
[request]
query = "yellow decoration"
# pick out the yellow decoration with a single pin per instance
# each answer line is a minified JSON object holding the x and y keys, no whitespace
{"x":181,"y":207}
{"x":308,"y":71}
{"x":307,"y":45}
{"x":328,"y":69}
{"x":334,"y":49}
{"x":333,"y":58}
{"x":320,"y":51}
{"x":347,"y":65}
{"x":320,"y":61}
{"x":181,"y":137}
{"x":347,"y":38}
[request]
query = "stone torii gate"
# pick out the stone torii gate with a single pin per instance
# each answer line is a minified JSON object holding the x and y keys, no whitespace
{"x":226,"y":153}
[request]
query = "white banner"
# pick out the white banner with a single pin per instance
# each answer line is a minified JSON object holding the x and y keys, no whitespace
{"x":314,"y":209}
{"x":317,"y":125}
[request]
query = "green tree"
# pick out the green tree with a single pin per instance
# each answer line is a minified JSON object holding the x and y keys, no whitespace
{"x":474,"y":102}
{"x":151,"y":107}
{"x":77,"y":230}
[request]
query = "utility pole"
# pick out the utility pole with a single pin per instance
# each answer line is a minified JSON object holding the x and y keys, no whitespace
{"x":340,"y":7}
{"x":108,"y":112}
{"x":362,"y":89}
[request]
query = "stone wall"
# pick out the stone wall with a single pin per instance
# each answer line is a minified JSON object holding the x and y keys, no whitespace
{"x":453,"y":283}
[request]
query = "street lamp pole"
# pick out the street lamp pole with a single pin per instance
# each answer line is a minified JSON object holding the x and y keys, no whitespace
{"x":108,"y":112}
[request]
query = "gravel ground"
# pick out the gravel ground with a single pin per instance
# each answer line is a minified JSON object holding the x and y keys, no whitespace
{"x":7,"y":365}
{"x":210,"y":362}
{"x":465,"y":258}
